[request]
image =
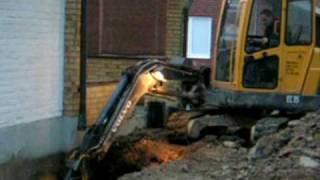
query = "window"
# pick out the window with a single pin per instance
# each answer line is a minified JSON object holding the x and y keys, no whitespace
{"x":261,"y":73}
{"x":227,"y":43}
{"x":299,"y":24}
{"x":126,"y":27}
{"x":264,"y":28}
{"x":199,"y":37}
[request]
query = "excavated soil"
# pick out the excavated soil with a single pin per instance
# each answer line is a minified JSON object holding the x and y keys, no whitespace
{"x":292,"y":153}
{"x":161,"y":154}
{"x":166,"y":154}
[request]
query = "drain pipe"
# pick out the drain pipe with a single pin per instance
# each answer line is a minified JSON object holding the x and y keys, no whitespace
{"x":83,"y":67}
{"x":185,"y":29}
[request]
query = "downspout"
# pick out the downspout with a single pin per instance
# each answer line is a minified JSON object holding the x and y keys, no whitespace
{"x":185,"y":16}
{"x":83,"y":67}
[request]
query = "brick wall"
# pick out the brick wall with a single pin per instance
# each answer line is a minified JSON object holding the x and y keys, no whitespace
{"x":72,"y":58}
{"x":98,"y":96}
{"x":207,"y":8}
{"x":102,"y":74}
{"x":107,"y":69}
{"x":175,"y":27}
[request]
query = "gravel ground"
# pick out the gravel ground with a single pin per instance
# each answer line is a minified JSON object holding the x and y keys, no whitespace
{"x":292,"y":153}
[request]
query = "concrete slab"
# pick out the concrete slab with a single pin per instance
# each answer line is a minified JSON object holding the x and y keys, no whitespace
{"x":37,"y":139}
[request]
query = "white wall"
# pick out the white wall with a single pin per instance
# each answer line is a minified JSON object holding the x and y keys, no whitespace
{"x":31,"y":60}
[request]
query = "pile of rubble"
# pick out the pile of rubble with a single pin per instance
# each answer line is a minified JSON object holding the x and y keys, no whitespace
{"x":292,"y":153}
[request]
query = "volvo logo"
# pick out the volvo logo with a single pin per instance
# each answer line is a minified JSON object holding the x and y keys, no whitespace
{"x":121,"y":117}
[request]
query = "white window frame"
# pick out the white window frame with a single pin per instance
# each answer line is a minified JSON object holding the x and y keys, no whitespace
{"x":195,"y":55}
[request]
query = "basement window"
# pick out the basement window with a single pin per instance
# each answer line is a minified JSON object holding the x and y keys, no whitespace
{"x":199,"y":37}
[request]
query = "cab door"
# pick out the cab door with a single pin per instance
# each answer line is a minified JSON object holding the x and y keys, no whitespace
{"x":227,"y":44}
{"x":299,"y":43}
{"x":262,"y":51}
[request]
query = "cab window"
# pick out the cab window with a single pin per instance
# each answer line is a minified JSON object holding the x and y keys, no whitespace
{"x":264,"y":26}
{"x":299,"y":23}
{"x":228,"y":40}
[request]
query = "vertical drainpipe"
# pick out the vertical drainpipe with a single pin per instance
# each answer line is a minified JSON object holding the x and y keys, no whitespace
{"x":83,"y":67}
{"x":185,"y":16}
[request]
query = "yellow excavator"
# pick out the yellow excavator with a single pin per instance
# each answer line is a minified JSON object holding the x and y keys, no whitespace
{"x":266,"y":59}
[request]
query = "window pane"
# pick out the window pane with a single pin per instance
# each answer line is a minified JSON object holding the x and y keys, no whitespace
{"x":228,"y":39}
{"x":199,"y":37}
{"x":299,"y":27}
{"x":264,"y":29}
{"x":263,"y":73}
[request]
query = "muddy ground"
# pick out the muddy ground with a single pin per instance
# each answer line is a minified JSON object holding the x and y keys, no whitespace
{"x":161,"y":154}
{"x":46,"y":168}
{"x":292,"y":153}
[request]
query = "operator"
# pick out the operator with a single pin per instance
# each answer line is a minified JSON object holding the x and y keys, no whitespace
{"x":271,"y":25}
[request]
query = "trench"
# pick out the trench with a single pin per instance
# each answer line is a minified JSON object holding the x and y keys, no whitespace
{"x":148,"y":148}
{"x":135,"y":152}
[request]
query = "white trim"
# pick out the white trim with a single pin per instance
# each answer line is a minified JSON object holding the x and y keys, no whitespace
{"x":190,"y":53}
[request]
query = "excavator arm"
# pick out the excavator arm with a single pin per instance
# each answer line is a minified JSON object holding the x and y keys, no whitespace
{"x":136,"y":82}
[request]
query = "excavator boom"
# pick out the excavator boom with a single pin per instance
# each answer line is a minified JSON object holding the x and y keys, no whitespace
{"x":135,"y":83}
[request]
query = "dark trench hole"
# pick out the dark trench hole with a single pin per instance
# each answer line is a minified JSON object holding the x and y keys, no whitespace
{"x":179,"y":139}
{"x":245,"y":135}
{"x":115,"y":164}
{"x":241,"y":136}
{"x":133,"y":153}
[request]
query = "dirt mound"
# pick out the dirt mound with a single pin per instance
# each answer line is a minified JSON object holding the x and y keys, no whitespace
{"x":148,"y":151}
{"x":292,"y":153}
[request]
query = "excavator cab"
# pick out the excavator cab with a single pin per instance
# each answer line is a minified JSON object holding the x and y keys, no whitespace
{"x":267,"y":49}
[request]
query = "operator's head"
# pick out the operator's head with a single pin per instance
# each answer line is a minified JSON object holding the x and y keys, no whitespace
{"x":266,"y":17}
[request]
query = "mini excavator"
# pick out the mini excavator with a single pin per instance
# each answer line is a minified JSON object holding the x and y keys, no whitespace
{"x":266,"y":58}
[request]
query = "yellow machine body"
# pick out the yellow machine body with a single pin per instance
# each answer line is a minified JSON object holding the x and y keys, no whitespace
{"x":289,"y":66}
